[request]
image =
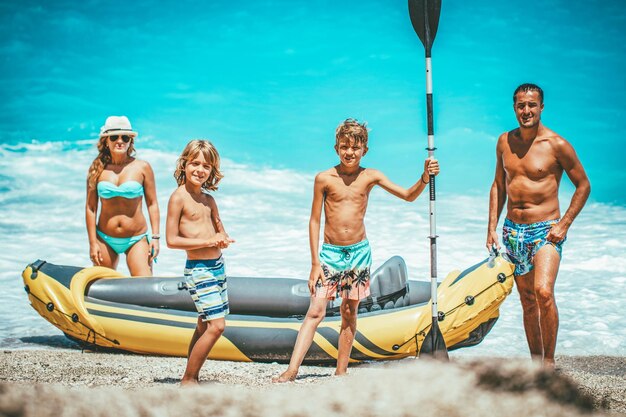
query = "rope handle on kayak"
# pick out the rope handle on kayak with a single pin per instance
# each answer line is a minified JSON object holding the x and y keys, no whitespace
{"x":74,"y":317}
{"x":396,"y":347}
{"x":469,"y":300}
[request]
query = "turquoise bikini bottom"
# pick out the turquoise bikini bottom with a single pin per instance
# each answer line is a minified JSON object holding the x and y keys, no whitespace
{"x":121,"y":244}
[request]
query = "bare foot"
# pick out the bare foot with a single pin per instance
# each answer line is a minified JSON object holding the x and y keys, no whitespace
{"x":287,"y":376}
{"x":341,"y":373}
{"x":549,"y":364}
{"x":188,"y":382}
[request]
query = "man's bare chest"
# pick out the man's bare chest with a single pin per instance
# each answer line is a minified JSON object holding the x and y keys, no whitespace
{"x":535,"y":163}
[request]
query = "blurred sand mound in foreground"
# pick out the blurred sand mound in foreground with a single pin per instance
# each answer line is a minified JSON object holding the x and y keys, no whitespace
{"x":405,"y":388}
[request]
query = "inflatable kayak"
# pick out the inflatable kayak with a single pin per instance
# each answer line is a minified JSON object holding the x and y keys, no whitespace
{"x":99,"y":307}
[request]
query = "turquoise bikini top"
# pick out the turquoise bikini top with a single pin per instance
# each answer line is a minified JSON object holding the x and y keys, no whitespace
{"x":128,"y":189}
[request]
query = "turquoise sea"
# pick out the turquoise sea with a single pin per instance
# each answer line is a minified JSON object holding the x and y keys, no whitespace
{"x":267,"y":82}
{"x":267,"y":210}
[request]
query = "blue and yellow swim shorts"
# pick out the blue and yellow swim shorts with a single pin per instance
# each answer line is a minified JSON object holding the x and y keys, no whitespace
{"x":523,"y":241}
{"x":206,"y":281}
{"x":346,"y":271}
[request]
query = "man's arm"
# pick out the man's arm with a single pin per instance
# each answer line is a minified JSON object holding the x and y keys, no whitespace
{"x":566,"y":156}
{"x":497,"y":197}
{"x":314,"y":231}
{"x":431,"y":166}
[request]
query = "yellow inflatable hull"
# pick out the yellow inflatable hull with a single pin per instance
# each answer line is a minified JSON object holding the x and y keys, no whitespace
{"x":469,"y":301}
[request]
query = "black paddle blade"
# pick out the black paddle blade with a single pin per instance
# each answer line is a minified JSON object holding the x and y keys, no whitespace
{"x":425,"y":19}
{"x":434,"y":346}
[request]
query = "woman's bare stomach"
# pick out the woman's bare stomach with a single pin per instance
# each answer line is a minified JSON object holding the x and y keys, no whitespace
{"x":122,"y":226}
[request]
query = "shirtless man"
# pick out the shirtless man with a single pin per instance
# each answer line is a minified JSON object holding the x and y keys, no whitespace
{"x":343,"y":265}
{"x":530,"y":161}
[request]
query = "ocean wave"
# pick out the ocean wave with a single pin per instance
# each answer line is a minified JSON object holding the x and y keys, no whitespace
{"x":42,"y":189}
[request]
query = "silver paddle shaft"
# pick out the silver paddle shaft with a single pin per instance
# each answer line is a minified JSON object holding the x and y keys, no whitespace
{"x":432,"y":207}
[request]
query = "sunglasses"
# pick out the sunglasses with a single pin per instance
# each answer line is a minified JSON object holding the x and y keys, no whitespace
{"x":125,"y":138}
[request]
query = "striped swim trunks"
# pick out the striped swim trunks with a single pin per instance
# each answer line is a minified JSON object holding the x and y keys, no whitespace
{"x":346,"y":271}
{"x":206,"y":281}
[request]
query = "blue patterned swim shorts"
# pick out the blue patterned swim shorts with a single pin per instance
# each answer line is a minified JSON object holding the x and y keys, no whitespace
{"x":206,"y":281}
{"x":346,"y":271}
{"x":523,"y":241}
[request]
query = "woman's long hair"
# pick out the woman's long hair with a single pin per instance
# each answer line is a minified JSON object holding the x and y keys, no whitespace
{"x":104,"y":158}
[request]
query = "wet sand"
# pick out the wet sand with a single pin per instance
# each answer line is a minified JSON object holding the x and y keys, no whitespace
{"x":72,"y":383}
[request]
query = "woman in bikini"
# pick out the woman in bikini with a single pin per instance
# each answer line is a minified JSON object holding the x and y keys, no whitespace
{"x":120,"y":181}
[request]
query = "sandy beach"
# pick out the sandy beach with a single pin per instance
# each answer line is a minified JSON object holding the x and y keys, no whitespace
{"x":74,"y":383}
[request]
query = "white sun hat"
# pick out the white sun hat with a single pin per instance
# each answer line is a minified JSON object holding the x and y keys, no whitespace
{"x":117,"y":125}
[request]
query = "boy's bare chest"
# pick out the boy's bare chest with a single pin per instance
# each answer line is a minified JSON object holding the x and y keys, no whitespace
{"x":338,"y":191}
{"x":197,"y":211}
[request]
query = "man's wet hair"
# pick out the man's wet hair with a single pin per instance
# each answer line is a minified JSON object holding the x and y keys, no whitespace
{"x":526,"y":88}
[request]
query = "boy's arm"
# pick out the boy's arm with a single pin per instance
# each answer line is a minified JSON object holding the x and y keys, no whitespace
{"x":431,"y":166}
{"x":314,"y":232}
{"x":172,"y":231}
{"x":215,"y":216}
{"x":218,"y":225}
{"x":497,"y":198}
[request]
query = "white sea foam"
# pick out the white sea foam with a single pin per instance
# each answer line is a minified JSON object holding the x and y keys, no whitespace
{"x":267,"y":210}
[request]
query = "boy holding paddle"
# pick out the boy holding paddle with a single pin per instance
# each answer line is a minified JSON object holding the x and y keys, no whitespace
{"x":342,"y":267}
